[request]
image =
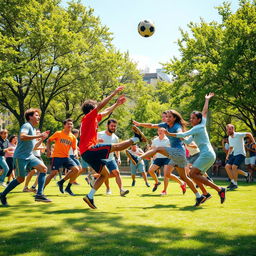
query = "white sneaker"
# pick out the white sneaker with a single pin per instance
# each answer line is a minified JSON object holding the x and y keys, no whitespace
{"x":3,"y":184}
{"x":108,"y":192}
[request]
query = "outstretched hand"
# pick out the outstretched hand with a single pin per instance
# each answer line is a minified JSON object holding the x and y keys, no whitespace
{"x":119,"y":89}
{"x":121,"y":100}
{"x":208,"y":96}
{"x":135,"y":122}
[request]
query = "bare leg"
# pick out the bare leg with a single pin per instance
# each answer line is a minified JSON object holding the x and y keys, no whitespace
{"x":29,"y":177}
{"x":50,"y":176}
{"x":228,"y":169}
{"x":152,"y":173}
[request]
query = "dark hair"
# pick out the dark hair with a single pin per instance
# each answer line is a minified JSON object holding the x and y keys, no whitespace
{"x":74,"y":131}
{"x":198,"y":115}
{"x":111,"y":121}
{"x":11,"y":138}
{"x":88,"y":105}
{"x":164,"y":112}
{"x":178,"y":118}
{"x":67,"y":120}
{"x":31,"y":112}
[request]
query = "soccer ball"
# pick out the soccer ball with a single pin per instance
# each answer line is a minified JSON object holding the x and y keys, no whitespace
{"x":146,"y":28}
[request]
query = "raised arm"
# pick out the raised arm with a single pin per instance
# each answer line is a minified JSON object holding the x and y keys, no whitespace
{"x":121,"y":100}
{"x":206,"y":103}
{"x":145,"y":125}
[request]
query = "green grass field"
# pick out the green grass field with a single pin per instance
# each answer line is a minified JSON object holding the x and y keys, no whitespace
{"x":142,"y":223}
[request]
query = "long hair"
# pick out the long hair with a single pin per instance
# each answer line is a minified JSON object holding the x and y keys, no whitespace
{"x":178,"y":119}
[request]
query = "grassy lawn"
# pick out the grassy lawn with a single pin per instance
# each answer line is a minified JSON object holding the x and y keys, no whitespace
{"x":142,"y":223}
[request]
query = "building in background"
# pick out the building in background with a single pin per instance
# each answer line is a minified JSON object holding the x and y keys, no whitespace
{"x":5,"y":119}
{"x":153,"y":78}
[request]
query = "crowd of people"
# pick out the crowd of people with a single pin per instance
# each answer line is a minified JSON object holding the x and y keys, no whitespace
{"x":188,"y":151}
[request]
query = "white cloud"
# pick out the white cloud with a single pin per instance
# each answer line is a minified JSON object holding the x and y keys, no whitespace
{"x":145,"y":63}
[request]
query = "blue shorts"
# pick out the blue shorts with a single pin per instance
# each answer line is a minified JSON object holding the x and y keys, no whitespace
{"x":22,"y":165}
{"x":192,"y":159}
{"x":111,"y":165}
{"x":161,"y":161}
{"x":96,"y":156}
{"x":62,"y":162}
{"x":84,"y":164}
{"x":140,"y":167}
{"x":205,"y":161}
{"x":177,"y":157}
{"x":235,"y":160}
{"x":75,"y":160}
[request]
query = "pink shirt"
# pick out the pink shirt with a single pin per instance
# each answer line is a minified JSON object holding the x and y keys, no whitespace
{"x":11,"y":147}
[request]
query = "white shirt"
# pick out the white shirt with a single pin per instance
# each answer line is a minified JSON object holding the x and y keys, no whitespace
{"x":108,"y":140}
{"x":237,"y":142}
{"x":165,"y":142}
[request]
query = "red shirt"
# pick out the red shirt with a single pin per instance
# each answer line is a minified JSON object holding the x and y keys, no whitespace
{"x":88,"y":130}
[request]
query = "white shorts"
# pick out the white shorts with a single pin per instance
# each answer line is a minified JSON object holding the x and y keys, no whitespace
{"x":250,"y":160}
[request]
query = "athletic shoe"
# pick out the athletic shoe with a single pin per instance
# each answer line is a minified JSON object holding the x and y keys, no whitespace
{"x":156,"y":186}
{"x":138,"y":133}
{"x":3,"y":184}
{"x":132,"y":157}
{"x":133,"y":183}
{"x":124,"y":192}
{"x":33,"y":190}
{"x":42,"y":198}
{"x":248,"y":177}
{"x":163,"y":193}
{"x":26,"y":189}
{"x":222,"y":195}
{"x":69,"y":191}
{"x":207,"y":196}
{"x":200,"y":200}
{"x":108,"y":192}
{"x":90,"y":202}
{"x":184,"y":187}
{"x":3,"y":200}
{"x":232,"y":187}
{"x":147,"y":184}
{"x":60,"y":185}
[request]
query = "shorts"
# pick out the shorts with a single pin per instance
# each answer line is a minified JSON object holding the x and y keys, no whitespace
{"x":177,"y":156}
{"x":84,"y":164}
{"x":250,"y":160}
{"x":192,"y":159}
{"x":111,"y":165}
{"x":75,"y":160}
{"x":22,"y":165}
{"x":140,"y":167}
{"x":161,"y":161}
{"x":11,"y":164}
{"x":96,"y":156}
{"x":62,"y":162}
{"x":235,"y":160}
{"x":205,"y":161}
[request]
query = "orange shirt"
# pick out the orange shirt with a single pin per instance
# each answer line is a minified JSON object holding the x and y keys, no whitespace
{"x":63,"y":143}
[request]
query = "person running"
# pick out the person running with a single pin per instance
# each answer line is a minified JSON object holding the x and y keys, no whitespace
{"x":236,"y":154}
{"x":94,"y":154}
{"x":9,"y":157}
{"x":24,"y":157}
{"x":109,"y":137}
{"x":176,"y":152}
{"x":207,"y":156}
{"x":137,"y":166}
{"x":4,"y":142}
{"x":163,"y":161}
{"x":250,"y":160}
{"x":64,"y":140}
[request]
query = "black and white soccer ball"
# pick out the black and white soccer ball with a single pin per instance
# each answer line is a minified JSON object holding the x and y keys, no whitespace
{"x":146,"y":28}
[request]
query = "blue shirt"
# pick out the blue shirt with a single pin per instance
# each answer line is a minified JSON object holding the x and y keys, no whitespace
{"x":175,"y":142}
{"x":24,"y":148}
{"x":198,"y":134}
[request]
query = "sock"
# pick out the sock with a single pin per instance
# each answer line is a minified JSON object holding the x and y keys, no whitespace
{"x":91,"y":194}
{"x":41,"y":181}
{"x":135,"y":139}
{"x":232,"y":181}
{"x":62,"y":181}
{"x":69,"y":186}
{"x":235,"y":182}
{"x":13,"y":184}
{"x":247,"y":174}
{"x":197,"y":195}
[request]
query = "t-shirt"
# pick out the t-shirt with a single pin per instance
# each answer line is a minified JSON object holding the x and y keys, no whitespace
{"x":3,"y":145}
{"x":237,"y":142}
{"x":249,"y":152}
{"x":160,"y":143}
{"x":108,"y":140}
{"x":24,"y":148}
{"x":88,"y":130}
{"x":63,"y":142}
{"x":176,"y":128}
{"x":11,"y":148}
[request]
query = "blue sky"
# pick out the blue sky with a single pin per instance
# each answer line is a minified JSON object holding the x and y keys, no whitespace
{"x":123,"y":16}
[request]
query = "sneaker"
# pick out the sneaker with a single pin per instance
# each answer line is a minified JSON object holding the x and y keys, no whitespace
{"x":248,"y":177}
{"x":132,"y":157}
{"x":108,"y":192}
{"x":133,"y":183}
{"x":138,"y":133}
{"x":184,"y":187}
{"x":124,"y":192}
{"x":89,"y":202}
{"x":147,"y":184}
{"x":32,"y":189}
{"x":232,"y":187}
{"x":3,"y":200}
{"x":163,"y":193}
{"x":200,"y":200}
{"x":222,"y":195}
{"x":26,"y":189}
{"x":42,"y":198}
{"x":207,"y":196}
{"x":3,"y":184}
{"x":69,"y":191}
{"x":156,"y":186}
{"x":60,"y":185}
